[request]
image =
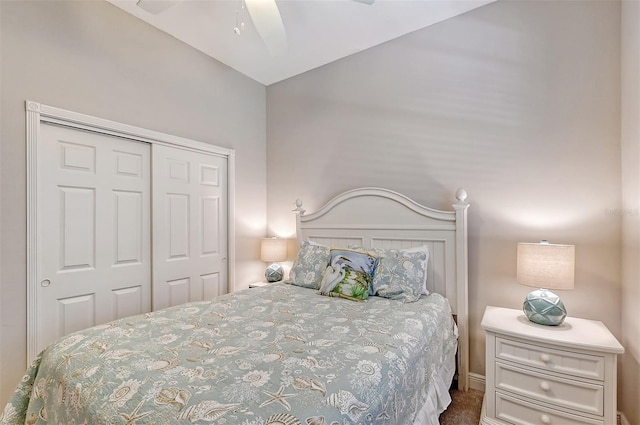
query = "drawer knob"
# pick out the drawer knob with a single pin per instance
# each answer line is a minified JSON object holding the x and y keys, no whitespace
{"x":545,"y":419}
{"x":544,"y":386}
{"x":545,"y":358}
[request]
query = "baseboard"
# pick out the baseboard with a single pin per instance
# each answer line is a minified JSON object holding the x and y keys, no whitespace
{"x":476,"y":382}
{"x":622,"y":420}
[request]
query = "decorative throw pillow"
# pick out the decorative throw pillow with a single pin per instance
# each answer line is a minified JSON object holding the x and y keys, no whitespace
{"x":400,"y":275}
{"x":349,"y":275}
{"x":382,"y":252}
{"x":425,"y":249}
{"x":308,"y":267}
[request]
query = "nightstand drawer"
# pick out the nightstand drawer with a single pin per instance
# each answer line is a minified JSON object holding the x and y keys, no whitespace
{"x":519,"y":412}
{"x":575,"y":364}
{"x":580,"y":396}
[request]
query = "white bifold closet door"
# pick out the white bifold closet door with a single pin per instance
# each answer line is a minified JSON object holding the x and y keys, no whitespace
{"x":190,"y":202}
{"x":101,"y":201}
{"x":94,"y":230}
{"x":121,"y":220}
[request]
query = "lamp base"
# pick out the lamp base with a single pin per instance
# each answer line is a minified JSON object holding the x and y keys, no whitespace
{"x":544,"y":308}
{"x":274,"y":273}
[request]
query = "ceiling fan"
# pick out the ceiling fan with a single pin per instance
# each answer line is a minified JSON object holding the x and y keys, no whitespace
{"x":264,"y":15}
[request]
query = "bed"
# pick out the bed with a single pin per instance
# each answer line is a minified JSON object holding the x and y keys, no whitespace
{"x":281,"y":354}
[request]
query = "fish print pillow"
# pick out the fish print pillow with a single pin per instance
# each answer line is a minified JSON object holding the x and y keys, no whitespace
{"x":308,"y":267}
{"x":349,"y":274}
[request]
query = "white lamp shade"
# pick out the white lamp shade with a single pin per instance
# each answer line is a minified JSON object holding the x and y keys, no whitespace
{"x":273,"y":250}
{"x":544,"y":265}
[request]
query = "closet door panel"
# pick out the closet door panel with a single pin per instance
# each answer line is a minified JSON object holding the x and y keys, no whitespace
{"x":128,"y":232}
{"x":77,"y":223}
{"x":190,"y":226}
{"x":177,"y":220}
{"x":127,"y":301}
{"x":94,"y":239}
{"x":211,"y":285}
{"x":210,"y":226}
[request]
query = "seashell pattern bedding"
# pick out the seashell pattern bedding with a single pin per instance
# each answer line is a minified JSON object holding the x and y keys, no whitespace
{"x":279,"y":354}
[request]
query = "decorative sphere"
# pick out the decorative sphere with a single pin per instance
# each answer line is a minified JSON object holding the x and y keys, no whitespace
{"x":274,"y":273}
{"x":461,"y":195}
{"x":544,"y":307}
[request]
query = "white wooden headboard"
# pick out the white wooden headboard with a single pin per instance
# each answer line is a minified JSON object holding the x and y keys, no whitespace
{"x":381,"y":218}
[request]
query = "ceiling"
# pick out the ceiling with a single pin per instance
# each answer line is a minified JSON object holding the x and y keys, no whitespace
{"x":317,"y":31}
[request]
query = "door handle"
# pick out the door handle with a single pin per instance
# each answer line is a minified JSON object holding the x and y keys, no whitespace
{"x":45,"y":283}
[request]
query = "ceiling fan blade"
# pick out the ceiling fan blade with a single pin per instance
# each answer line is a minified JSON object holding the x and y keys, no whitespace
{"x":156,"y":6}
{"x":268,"y":22}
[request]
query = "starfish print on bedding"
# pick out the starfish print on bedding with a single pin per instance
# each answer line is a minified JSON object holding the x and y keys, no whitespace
{"x":279,"y":397}
{"x":66,"y":359}
{"x":384,"y":415}
{"x":394,"y":274}
{"x":131,"y":419}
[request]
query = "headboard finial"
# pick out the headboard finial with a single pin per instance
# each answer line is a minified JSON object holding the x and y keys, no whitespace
{"x":298,"y":209}
{"x":461,"y":195}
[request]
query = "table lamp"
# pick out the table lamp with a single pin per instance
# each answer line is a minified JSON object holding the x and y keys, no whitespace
{"x":545,"y":266}
{"x":273,"y":250}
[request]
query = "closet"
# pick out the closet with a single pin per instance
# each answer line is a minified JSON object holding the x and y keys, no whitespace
{"x":121,"y":221}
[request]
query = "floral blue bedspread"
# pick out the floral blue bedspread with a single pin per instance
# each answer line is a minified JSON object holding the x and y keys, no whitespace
{"x":280,"y":354}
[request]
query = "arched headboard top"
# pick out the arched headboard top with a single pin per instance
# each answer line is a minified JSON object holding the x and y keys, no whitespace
{"x":461,"y":196}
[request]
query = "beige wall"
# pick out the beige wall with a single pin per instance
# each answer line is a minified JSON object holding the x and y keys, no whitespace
{"x":93,"y":58}
{"x":509,"y":101}
{"x":518,"y":102}
{"x":629,"y":396}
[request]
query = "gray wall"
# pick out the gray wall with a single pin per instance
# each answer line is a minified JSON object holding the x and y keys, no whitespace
{"x":630,"y":365}
{"x":518,"y":102}
{"x":93,"y":58}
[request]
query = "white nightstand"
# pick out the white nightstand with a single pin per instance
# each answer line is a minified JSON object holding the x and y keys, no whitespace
{"x":548,"y":375}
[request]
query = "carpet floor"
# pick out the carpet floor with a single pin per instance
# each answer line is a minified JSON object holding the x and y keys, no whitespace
{"x":464,"y":409}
